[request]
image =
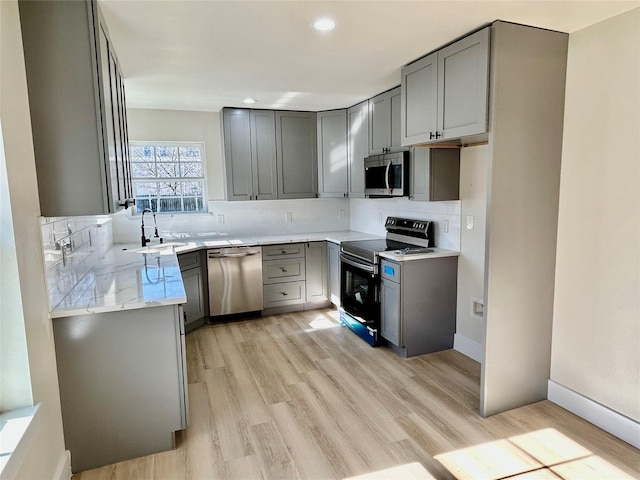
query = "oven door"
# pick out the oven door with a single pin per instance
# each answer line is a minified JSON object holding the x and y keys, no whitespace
{"x":359,"y":290}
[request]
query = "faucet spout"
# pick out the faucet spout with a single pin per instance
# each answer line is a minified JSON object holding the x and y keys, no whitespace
{"x":144,"y":239}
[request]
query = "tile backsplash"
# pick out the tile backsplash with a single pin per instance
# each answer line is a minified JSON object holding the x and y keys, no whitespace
{"x":244,"y":219}
{"x":368,"y":215}
{"x":71,"y":246}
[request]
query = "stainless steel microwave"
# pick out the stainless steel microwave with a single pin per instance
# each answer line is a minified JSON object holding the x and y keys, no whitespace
{"x":387,"y":175}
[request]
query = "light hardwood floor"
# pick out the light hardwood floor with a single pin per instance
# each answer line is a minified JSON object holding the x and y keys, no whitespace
{"x":299,"y":396}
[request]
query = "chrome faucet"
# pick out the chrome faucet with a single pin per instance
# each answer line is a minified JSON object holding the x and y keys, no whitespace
{"x":146,"y":240}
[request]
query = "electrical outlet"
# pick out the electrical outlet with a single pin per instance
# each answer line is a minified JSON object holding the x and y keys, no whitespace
{"x":288,"y":217}
{"x":220,"y":219}
{"x":380,"y":217}
{"x":341,"y":213}
{"x":445,"y":226}
{"x":469,"y":222}
{"x":477,"y":308}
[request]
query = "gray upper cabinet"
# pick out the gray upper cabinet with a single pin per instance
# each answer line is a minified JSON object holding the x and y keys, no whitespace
{"x":357,"y":146}
{"x":296,"y":153}
{"x":384,"y":122}
{"x":263,"y":151}
{"x":445,"y":94}
{"x":250,"y":154}
{"x":435,"y":174}
{"x":332,"y":153}
{"x":419,"y":114}
{"x":78,"y":111}
{"x":463,"y":80}
{"x":237,"y":153}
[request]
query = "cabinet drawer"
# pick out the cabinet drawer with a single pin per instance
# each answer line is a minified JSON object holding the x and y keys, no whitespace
{"x":287,"y":250}
{"x":282,"y":294}
{"x":289,"y":270}
{"x":189,"y":260}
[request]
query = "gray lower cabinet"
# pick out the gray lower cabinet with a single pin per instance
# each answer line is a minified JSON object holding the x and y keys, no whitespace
{"x":384,"y":122}
{"x":317,"y":283}
{"x":123,"y":383}
{"x":418,"y":304}
{"x":445,"y":94}
{"x":78,"y":109}
{"x":296,"y":154}
{"x":294,"y":276}
{"x":333,"y":266}
{"x":283,"y":275}
{"x":332,"y":153}
{"x":195,"y":286}
{"x":435,"y":174}
{"x":249,"y":154}
{"x":357,"y":147}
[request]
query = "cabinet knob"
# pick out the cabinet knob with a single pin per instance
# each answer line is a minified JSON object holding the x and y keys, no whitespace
{"x":284,"y":270}
{"x":284,"y":294}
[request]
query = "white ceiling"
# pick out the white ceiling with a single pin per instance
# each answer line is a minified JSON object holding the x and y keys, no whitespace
{"x":206,"y":54}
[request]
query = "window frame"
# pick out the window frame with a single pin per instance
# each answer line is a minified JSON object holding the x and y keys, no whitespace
{"x":172,"y":144}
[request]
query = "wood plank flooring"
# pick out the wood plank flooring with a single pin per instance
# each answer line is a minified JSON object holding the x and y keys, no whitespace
{"x":297,"y":396}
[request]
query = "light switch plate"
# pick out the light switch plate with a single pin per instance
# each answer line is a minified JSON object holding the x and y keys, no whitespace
{"x":288,"y":217}
{"x":445,"y":226}
{"x":469,"y":222}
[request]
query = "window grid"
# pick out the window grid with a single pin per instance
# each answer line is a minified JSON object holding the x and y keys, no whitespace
{"x":169,"y":177}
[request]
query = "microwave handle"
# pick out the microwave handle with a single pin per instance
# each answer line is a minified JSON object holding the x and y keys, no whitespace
{"x":386,"y":176}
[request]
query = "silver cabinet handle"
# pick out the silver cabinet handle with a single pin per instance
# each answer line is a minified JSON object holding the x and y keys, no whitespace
{"x":386,"y":176}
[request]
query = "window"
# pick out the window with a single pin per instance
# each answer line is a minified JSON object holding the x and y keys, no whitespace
{"x":169,"y":177}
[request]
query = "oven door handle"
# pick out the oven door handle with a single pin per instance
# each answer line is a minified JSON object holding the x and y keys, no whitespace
{"x":386,"y":176}
{"x":362,"y":266}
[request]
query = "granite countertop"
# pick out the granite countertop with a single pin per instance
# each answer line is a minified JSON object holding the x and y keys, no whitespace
{"x":126,"y":280}
{"x":128,"y":276}
{"x":398,"y":256}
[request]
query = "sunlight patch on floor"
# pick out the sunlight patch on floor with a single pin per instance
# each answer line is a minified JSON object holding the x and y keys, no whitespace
{"x":409,"y":471}
{"x":322,"y":322}
{"x":542,"y":454}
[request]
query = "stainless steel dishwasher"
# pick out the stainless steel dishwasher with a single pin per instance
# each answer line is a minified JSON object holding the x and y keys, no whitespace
{"x":235,"y":280}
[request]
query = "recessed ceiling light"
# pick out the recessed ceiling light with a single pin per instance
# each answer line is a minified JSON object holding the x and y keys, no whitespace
{"x":249,"y":100}
{"x":324,"y":24}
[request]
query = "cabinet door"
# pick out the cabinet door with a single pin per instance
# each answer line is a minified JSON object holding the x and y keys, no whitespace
{"x":108,"y":119}
{"x":237,"y":154}
{"x":333,"y":254}
{"x":316,"y":276}
{"x":358,"y":147}
{"x":194,"y":288}
{"x":395,"y":99}
{"x":463,"y":71}
{"x":418,"y":117}
{"x":332,"y":153}
{"x":390,"y":311}
{"x":263,"y":152}
{"x":119,"y":140}
{"x":296,"y":154}
{"x":379,"y":123}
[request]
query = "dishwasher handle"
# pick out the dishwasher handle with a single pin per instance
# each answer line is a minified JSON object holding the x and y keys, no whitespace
{"x":231,"y":255}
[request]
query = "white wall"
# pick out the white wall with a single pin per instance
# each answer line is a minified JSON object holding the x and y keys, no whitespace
{"x":596,"y":318}
{"x":180,"y":126}
{"x":46,"y":455}
{"x":474,"y":167}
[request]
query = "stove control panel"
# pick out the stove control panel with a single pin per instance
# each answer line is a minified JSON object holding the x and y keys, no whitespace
{"x":405,"y":225}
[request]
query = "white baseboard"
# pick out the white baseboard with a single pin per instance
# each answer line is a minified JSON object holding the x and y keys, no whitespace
{"x":468,"y":347}
{"x":63,"y":472}
{"x":609,"y":420}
